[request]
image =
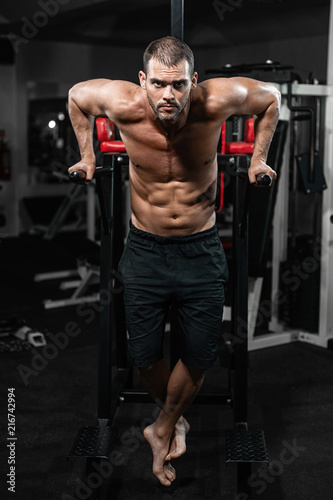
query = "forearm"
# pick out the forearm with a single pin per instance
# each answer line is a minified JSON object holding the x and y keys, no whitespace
{"x":264,"y":128}
{"x":83,"y":125}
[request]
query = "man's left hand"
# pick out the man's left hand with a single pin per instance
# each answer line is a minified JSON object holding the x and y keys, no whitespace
{"x":257,"y":169}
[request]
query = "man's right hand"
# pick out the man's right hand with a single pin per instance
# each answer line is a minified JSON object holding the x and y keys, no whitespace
{"x":83,"y":166}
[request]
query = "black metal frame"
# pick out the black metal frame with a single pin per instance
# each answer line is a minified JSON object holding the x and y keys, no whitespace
{"x":110,"y":190}
{"x":116,"y":389}
{"x":112,"y":318}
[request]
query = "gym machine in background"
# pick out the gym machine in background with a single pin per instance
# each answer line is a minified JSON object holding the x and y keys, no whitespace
{"x":299,"y":265}
{"x":300,"y":249}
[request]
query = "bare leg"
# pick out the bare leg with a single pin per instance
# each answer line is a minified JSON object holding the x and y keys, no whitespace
{"x":183,"y":385}
{"x":155,"y":379}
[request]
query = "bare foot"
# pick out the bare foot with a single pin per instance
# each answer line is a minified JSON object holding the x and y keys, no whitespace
{"x":178,"y":440}
{"x":162,"y":468}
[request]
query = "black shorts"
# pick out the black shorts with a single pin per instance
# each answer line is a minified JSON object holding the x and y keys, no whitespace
{"x":190,"y":270}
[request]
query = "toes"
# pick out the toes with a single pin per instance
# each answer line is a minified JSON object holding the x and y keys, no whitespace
{"x":169,"y":472}
{"x":169,"y":475}
{"x":162,"y":477}
{"x":171,"y":468}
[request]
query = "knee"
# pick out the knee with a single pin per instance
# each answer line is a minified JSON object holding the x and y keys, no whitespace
{"x":150,"y":368}
{"x":196,"y":374}
{"x":142,"y":370}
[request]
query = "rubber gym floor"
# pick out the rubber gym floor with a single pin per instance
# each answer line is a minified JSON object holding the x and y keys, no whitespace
{"x":290,"y":398}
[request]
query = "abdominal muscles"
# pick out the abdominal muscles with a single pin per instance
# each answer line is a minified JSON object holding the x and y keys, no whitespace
{"x":174,"y":207}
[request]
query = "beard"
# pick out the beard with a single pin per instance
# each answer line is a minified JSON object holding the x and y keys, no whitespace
{"x":171,"y":118}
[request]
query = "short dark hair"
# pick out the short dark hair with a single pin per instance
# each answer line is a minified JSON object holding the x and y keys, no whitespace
{"x":168,"y":51}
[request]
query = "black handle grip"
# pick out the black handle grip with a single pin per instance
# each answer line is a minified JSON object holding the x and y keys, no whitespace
{"x":265,"y":180}
{"x":78,"y":177}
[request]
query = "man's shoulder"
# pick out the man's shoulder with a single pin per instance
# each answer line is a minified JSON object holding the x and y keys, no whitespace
{"x":212,"y":97}
{"x":121,"y":90}
{"x":219,"y":96}
{"x":217,"y":87}
{"x":124,"y":86}
{"x":126,"y":99}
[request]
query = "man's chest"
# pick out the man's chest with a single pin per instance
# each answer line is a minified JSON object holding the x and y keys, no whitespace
{"x":179,"y":157}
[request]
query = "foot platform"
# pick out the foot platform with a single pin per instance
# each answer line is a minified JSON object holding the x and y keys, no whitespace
{"x":246,"y":446}
{"x":94,"y":441}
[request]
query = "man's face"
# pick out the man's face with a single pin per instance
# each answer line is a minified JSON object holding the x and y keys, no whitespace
{"x":168,"y":88}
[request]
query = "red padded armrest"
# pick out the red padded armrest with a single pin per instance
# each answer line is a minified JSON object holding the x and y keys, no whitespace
{"x":113,"y":147}
{"x":105,"y":132}
{"x":249,"y":130}
{"x":105,"y":129}
{"x":245,"y":146}
{"x":239,"y":147}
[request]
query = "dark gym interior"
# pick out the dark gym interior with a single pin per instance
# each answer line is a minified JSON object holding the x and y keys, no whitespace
{"x":73,"y":409}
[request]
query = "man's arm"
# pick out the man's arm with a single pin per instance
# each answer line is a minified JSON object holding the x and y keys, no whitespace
{"x":87,"y":100}
{"x":245,"y":96}
{"x":262,"y":100}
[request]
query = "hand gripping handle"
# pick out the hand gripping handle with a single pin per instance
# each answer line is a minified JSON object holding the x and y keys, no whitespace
{"x":264,"y":180}
{"x":78,"y":177}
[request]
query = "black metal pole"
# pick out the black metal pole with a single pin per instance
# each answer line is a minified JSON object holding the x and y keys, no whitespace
{"x":240,"y":316}
{"x":112,"y":316}
{"x":105,"y":189}
{"x":240,"y":296}
{"x":118,"y":310}
{"x":177,"y":19}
